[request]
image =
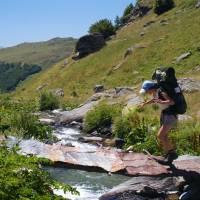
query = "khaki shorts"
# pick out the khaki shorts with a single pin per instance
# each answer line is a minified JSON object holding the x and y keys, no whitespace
{"x":166,"y":119}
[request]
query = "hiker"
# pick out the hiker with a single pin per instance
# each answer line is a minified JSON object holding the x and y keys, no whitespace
{"x":167,"y":94}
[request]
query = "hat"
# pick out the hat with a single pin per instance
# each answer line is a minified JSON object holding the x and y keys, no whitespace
{"x":148,"y":85}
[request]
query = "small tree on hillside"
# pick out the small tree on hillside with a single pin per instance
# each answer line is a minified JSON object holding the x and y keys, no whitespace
{"x":104,"y":26}
{"x":126,"y":14}
{"x":128,"y":9}
{"x":161,"y":6}
{"x":118,"y":22}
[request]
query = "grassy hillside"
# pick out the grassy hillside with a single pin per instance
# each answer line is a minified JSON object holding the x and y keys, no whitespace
{"x":44,"y":54}
{"x":161,"y":44}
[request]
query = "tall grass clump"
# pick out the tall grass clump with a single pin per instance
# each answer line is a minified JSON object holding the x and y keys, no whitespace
{"x":138,"y":131}
{"x":28,"y":126}
{"x":48,"y":101}
{"x":101,"y":116}
{"x":187,"y":137}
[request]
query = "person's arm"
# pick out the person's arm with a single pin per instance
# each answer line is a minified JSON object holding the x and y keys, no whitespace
{"x":146,"y":103}
{"x":167,"y":101}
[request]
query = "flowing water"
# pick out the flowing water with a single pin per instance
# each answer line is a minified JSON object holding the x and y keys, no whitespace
{"x":91,"y":185}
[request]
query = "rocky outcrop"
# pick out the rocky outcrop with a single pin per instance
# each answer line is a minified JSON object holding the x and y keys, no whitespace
{"x":98,"y":88}
{"x":140,"y":9}
{"x":189,"y":85}
{"x":128,"y":52}
{"x":143,"y":188}
{"x":183,"y":56}
{"x":198,"y":4}
{"x":88,"y":44}
{"x":58,"y":92}
{"x":76,"y":114}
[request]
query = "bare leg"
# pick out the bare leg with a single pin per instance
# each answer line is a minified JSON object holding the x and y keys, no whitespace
{"x":163,"y":137}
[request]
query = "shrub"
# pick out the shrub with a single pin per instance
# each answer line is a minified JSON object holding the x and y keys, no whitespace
{"x":137,"y":131}
{"x":21,"y":178}
{"x":187,"y":137}
{"x":28,"y":126}
{"x":161,"y":6}
{"x":48,"y":101}
{"x":100,"y":117}
{"x":104,"y":26}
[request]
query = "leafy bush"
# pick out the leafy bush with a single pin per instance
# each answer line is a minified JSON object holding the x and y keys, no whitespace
{"x":104,"y":26}
{"x":48,"y":101}
{"x":138,"y":132}
{"x":28,"y":126}
{"x":187,"y":137}
{"x":21,"y":178}
{"x":100,"y":117}
{"x":161,"y":6}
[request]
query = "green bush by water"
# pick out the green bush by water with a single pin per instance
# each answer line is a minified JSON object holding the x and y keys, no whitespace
{"x":100,"y":117}
{"x":22,"y":179}
{"x":48,"y":101}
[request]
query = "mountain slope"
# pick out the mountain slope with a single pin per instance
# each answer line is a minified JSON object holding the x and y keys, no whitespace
{"x":164,"y":38}
{"x":43,"y":54}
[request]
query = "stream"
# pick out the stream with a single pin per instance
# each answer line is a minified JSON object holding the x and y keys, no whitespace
{"x":91,"y":185}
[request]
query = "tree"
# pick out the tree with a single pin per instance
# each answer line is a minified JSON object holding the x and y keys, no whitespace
{"x":128,"y":9}
{"x":161,"y":6}
{"x":127,"y":12}
{"x":118,"y":22}
{"x":104,"y":26}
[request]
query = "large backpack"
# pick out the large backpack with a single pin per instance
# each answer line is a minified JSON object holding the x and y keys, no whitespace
{"x":167,"y":82}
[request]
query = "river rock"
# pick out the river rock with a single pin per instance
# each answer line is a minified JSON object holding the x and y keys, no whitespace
{"x":183,"y":56}
{"x":189,"y":85}
{"x":90,"y":139}
{"x":77,"y":114}
{"x":143,"y":188}
{"x":108,"y":159}
{"x":88,"y":44}
{"x":47,"y":121}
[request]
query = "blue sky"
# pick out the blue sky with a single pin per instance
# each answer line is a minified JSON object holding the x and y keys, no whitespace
{"x":39,"y":20}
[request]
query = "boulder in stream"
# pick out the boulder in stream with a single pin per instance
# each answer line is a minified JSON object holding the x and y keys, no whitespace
{"x":77,"y":114}
{"x":143,"y":188}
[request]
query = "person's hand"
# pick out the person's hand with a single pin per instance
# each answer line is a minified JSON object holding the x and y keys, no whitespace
{"x":157,"y":100}
{"x":141,"y":106}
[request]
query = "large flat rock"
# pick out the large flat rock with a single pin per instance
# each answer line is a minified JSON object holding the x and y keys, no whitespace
{"x":77,"y":114}
{"x":110,"y":160}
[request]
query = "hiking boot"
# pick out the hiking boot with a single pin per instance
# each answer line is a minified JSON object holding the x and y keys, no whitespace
{"x":170,"y":157}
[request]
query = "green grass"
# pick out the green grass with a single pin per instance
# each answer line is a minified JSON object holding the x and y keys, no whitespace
{"x":163,"y":45}
{"x":44,"y":54}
